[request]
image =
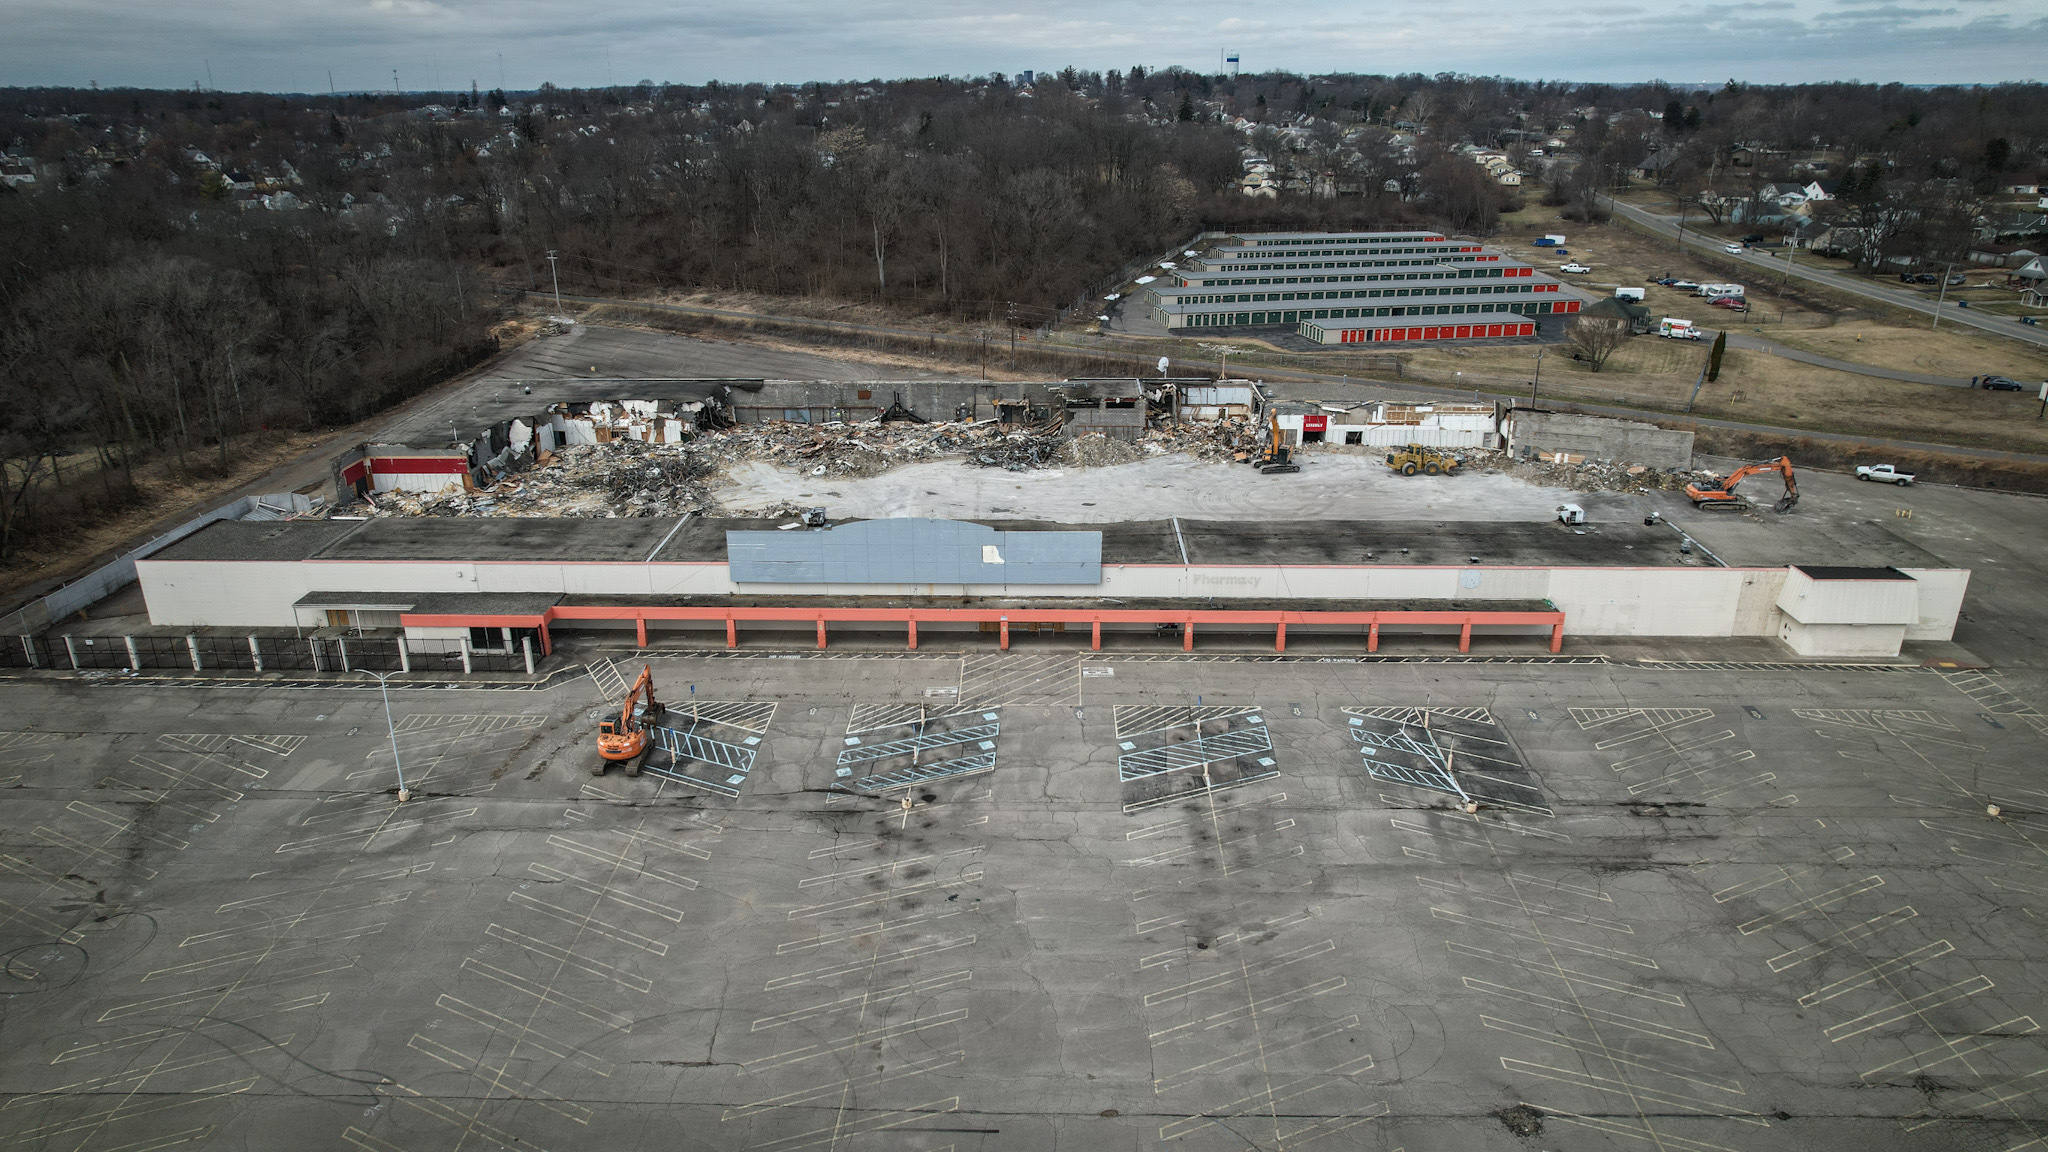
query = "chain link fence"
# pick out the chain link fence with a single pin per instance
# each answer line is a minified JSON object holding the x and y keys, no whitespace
{"x":261,"y":654}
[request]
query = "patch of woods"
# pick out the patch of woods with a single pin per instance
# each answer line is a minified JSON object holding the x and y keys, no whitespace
{"x":138,"y":327}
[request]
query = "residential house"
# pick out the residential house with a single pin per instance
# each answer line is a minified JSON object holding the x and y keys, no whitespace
{"x":2002,"y":255}
{"x":1657,"y":166}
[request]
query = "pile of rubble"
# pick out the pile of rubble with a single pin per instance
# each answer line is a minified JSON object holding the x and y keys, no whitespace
{"x":1588,"y":476}
{"x":625,"y":477}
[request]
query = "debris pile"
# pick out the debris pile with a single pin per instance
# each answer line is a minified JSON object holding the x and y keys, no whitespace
{"x":632,"y":477}
{"x":1588,"y":476}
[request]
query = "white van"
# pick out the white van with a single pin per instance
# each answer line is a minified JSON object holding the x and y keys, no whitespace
{"x":1672,"y":328}
{"x":1635,"y":294}
{"x":1716,"y":291}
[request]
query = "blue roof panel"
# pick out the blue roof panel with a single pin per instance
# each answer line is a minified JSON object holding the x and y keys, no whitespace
{"x":914,"y":551}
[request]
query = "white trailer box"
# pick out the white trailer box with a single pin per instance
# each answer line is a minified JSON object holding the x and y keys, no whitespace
{"x":1629,"y":294}
{"x":1716,"y":291}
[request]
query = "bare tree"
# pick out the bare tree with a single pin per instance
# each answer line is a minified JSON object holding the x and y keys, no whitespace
{"x":1595,"y":338}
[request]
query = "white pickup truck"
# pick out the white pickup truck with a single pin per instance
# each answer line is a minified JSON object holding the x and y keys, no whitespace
{"x":1884,"y":473}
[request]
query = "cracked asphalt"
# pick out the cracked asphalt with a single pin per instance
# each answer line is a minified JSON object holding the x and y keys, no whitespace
{"x":1756,"y":908}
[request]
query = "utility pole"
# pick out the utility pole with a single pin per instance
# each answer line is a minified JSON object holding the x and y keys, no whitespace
{"x":1697,"y":383}
{"x":1538,"y":379}
{"x":1943,"y":297}
{"x":404,"y":793}
{"x":556,"y":277}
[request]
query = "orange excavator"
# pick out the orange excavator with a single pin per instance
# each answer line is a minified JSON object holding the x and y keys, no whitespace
{"x":626,"y":739}
{"x":1275,"y":456}
{"x":1720,"y":494}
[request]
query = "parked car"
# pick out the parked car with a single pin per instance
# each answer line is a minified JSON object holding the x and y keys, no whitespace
{"x":1732,"y":303}
{"x":1883,"y":474}
{"x":1680,"y":285}
{"x":1732,"y":249}
{"x":1564,"y":251}
{"x":1957,"y":279}
{"x":1575,"y":266}
{"x":1753,"y":238}
{"x":1926,"y":278}
{"x":2000,"y":384}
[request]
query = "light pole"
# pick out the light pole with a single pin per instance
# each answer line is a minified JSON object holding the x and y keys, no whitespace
{"x":556,"y":277}
{"x":1943,"y":297}
{"x":404,"y":793}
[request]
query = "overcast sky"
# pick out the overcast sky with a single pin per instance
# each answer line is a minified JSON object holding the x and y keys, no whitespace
{"x":292,"y":45}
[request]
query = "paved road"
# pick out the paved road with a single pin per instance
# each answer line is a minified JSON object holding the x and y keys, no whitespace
{"x":1854,"y":285}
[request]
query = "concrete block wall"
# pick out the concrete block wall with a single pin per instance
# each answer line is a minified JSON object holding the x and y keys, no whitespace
{"x":1598,"y":438}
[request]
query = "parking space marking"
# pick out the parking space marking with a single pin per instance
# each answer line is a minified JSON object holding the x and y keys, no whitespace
{"x":469,"y":1124}
{"x":1246,"y":1011}
{"x":1636,"y":1093}
{"x":1257,"y":1052}
{"x":569,"y":958}
{"x":860,"y":1038}
{"x":875,"y":960}
{"x":522,"y":1036}
{"x":1883,"y":970}
{"x":1818,"y":902}
{"x":860,"y":1000}
{"x":547,"y":994}
{"x":584,"y":921}
{"x":871,"y":929}
{"x":1643,"y":1130}
{"x":916,"y":1066}
{"x":1020,"y":680}
{"x":1955,"y":1048}
{"x":499,"y":1075}
{"x":668,"y":912}
{"x":843,"y":1128}
{"x":1281,"y":1093}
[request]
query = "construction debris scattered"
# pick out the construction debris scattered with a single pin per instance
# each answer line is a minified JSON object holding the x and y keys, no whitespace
{"x":634,"y":463}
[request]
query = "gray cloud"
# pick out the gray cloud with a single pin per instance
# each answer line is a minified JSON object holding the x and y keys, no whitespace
{"x":293,"y":44}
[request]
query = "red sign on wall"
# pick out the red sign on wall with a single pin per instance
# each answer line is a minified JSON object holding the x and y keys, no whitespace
{"x":1315,"y":423}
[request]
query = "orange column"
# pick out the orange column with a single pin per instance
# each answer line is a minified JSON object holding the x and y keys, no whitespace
{"x":640,"y":623}
{"x":1372,"y":637}
{"x":1005,"y":645}
{"x":1095,"y":641}
{"x":1280,"y":637}
{"x":1557,"y":636}
{"x":1187,"y":636}
{"x":1465,"y":637}
{"x":821,"y":631}
{"x":913,"y":633}
{"x":732,"y":633}
{"x":547,"y":643}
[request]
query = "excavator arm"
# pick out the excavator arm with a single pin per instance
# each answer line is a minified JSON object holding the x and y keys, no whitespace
{"x":626,"y":738}
{"x":1722,"y":495}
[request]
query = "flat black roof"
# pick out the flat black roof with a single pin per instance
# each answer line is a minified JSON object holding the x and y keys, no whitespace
{"x":258,"y":540}
{"x":701,"y":539}
{"x":462,"y":538}
{"x":1845,"y":572}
